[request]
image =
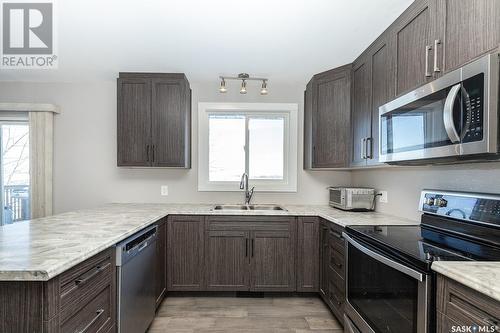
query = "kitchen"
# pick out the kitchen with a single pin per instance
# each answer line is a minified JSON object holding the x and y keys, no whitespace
{"x":170,"y":191}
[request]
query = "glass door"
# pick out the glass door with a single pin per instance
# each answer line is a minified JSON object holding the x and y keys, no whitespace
{"x":386,"y":298}
{"x":424,"y":123}
{"x":14,"y":171}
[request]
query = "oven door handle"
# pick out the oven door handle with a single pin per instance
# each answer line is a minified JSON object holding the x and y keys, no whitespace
{"x":449,"y":125}
{"x":391,"y":263}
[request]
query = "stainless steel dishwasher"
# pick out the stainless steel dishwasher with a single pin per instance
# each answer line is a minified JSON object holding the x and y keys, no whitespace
{"x":135,"y":261}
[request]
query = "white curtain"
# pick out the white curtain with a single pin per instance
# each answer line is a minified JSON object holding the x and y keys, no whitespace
{"x":41,"y":128}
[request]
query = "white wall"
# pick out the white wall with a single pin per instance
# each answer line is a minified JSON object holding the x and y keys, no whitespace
{"x":405,"y":183}
{"x":85,"y":171}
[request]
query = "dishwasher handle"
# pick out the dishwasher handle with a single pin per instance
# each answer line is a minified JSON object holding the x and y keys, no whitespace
{"x":132,"y":246}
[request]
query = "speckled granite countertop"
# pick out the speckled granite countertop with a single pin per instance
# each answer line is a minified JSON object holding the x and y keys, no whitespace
{"x":481,"y":276}
{"x":43,"y":248}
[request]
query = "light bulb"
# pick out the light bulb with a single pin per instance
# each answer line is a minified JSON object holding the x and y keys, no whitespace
{"x":243,"y":89}
{"x":263,"y":90}
{"x":222,"y":88}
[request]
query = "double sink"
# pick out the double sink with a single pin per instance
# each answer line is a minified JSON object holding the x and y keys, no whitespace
{"x":249,"y":207}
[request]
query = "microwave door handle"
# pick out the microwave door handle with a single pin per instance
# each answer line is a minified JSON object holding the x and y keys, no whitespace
{"x":449,"y":125}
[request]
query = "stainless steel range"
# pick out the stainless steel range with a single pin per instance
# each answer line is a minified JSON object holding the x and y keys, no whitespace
{"x":390,"y":286}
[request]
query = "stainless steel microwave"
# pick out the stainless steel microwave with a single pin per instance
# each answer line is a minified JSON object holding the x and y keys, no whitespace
{"x":452,"y":118}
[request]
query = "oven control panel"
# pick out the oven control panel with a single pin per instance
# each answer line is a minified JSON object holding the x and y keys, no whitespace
{"x":473,"y":207}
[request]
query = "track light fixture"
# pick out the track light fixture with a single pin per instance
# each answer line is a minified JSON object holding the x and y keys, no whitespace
{"x":244,"y":77}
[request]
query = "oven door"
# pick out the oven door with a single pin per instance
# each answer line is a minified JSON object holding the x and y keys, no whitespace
{"x":384,"y":296}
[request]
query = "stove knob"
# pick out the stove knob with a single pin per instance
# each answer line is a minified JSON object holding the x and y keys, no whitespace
{"x":428,"y":256}
{"x":429,"y":201}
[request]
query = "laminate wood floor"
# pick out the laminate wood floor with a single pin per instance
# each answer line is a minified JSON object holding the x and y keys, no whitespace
{"x":244,"y":315}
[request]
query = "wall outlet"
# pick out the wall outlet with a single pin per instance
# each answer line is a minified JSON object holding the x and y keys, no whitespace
{"x":164,"y":190}
{"x":384,"y":197}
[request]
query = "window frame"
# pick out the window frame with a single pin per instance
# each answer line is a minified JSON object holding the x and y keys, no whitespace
{"x":287,"y":110}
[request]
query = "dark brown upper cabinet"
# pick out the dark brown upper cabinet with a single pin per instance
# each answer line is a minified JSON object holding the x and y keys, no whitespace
{"x":412,"y":42}
{"x":154,"y":120}
{"x":465,"y":30}
{"x":361,"y":113}
{"x":373,"y":78}
{"x":327,"y":114}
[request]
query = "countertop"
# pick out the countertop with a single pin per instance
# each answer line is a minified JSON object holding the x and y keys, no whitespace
{"x":40,"y":249}
{"x":480,"y":276}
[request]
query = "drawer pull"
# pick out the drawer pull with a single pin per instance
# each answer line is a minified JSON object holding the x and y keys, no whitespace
{"x":88,"y":276}
{"x":98,"y":314}
{"x":336,"y":234}
{"x":493,"y":323}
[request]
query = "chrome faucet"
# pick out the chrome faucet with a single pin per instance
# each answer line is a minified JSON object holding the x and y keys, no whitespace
{"x":244,"y":186}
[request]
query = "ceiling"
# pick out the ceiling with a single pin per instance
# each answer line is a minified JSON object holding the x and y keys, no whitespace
{"x":287,"y":41}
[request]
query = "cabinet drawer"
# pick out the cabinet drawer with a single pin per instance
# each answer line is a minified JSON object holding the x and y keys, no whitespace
{"x":337,"y":261}
{"x":95,"y":316}
{"x":336,"y":240}
{"x":337,"y":280}
{"x":465,"y":306}
{"x":82,"y":283}
{"x":225,"y":223}
{"x":336,"y":300}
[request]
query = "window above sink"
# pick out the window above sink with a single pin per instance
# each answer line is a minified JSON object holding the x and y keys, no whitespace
{"x":259,"y":139}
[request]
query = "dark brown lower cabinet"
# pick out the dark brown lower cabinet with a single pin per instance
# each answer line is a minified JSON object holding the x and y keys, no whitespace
{"x":251,"y":253}
{"x":227,"y":253}
{"x":185,"y":253}
{"x":273,"y":260}
{"x":82,"y":299}
{"x":308,"y":254}
{"x":161,"y":262}
{"x":332,"y":267}
{"x":460,"y":306}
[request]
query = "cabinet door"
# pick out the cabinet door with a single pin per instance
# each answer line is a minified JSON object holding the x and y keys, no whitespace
{"x":272,"y":260}
{"x":134,"y":121}
{"x":361,"y":111}
{"x":324,"y":261}
{"x":171,"y":123}
{"x":185,"y":253}
{"x":227,"y":260}
{"x":412,"y":45}
{"x":308,"y":114}
{"x":331,"y":119}
{"x":307,"y":254}
{"x":467,"y":30}
{"x":161,"y":262}
{"x":382,"y":91}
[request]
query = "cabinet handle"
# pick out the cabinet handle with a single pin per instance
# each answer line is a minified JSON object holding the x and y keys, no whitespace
{"x":336,"y":234}
{"x":153,"y":153}
{"x":493,"y":323}
{"x":428,"y":49}
{"x":253,"y":245}
{"x":368,"y":147}
{"x":436,"y":67}
{"x":88,"y":276}
{"x":147,"y":153}
{"x":363,"y":148}
{"x":98,"y":314}
{"x":246,"y":247}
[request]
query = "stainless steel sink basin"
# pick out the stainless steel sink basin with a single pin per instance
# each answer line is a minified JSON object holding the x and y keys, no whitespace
{"x":249,"y":207}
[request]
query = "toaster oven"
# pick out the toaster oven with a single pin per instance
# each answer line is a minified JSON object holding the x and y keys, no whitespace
{"x":352,"y":198}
